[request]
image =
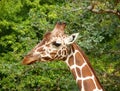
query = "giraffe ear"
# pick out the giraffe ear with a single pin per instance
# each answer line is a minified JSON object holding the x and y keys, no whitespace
{"x":70,"y":39}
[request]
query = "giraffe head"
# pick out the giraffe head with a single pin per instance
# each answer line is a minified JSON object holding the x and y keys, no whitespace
{"x":54,"y":46}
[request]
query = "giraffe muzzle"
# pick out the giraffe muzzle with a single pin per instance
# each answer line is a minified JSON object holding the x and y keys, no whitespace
{"x":31,"y":59}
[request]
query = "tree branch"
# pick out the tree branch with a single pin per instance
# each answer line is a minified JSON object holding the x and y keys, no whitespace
{"x":92,"y":9}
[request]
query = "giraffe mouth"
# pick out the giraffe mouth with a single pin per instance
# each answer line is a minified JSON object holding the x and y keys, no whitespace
{"x":30,"y":60}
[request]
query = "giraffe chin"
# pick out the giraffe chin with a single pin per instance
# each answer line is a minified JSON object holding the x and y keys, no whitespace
{"x":28,"y":61}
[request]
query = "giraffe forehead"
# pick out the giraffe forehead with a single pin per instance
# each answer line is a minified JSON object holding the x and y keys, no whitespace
{"x":59,"y":38}
{"x":47,"y":42}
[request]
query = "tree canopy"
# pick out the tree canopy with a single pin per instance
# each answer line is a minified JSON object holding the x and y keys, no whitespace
{"x":23,"y":24}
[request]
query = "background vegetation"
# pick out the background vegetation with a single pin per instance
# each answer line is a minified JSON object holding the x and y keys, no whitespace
{"x":22,"y":25}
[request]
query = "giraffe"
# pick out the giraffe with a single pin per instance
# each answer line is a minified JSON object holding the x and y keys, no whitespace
{"x":56,"y":45}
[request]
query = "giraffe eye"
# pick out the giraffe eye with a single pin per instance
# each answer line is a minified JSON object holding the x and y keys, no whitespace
{"x":56,"y":44}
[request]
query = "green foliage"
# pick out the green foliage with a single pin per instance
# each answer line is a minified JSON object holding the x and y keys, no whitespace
{"x":22,"y":25}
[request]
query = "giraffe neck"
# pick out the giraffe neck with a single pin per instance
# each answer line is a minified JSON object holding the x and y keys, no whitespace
{"x":82,"y":71}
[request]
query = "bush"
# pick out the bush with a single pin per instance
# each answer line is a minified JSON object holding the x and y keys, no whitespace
{"x":22,"y":25}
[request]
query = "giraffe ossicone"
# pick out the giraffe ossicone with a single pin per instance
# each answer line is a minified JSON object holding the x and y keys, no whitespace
{"x":56,"y":45}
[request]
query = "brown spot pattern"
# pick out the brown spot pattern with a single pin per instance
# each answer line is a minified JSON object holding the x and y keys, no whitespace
{"x":70,"y":60}
{"x":79,"y":84}
{"x":78,"y":72}
{"x":89,"y":85}
{"x":79,"y":60}
{"x":86,"y":71}
{"x":73,"y":72}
